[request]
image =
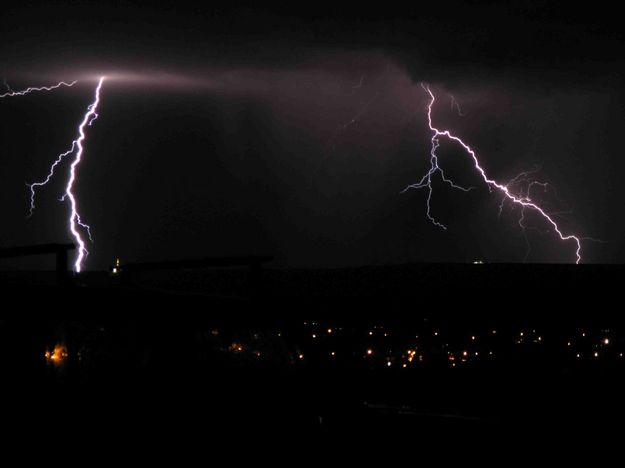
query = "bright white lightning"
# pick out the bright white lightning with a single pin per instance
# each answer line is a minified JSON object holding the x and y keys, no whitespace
{"x":77,"y":149}
{"x":522,"y":200}
{"x":11,"y":93}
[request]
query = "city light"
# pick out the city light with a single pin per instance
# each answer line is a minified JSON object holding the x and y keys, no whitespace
{"x":57,"y":356}
{"x":236,"y":347}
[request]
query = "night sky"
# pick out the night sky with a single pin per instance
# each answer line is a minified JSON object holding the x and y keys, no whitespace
{"x":293,"y":132}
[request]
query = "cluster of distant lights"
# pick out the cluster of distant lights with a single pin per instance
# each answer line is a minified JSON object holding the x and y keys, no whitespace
{"x":56,"y":356}
{"x":380,"y":354}
{"x":379,"y":347}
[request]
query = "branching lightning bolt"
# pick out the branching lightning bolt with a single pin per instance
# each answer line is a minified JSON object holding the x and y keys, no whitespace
{"x":75,"y":222}
{"x":521,"y":199}
{"x":35,"y":185}
{"x":11,"y":93}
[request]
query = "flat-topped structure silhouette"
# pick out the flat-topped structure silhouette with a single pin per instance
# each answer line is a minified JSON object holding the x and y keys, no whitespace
{"x":59,"y":250}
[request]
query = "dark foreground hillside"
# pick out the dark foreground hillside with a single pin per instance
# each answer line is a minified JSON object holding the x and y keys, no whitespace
{"x":444,"y":360}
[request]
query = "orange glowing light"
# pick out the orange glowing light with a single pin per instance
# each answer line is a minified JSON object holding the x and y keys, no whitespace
{"x":58,"y":355}
{"x":236,"y":348}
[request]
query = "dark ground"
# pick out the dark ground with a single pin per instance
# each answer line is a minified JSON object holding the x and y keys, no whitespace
{"x":186,"y":363}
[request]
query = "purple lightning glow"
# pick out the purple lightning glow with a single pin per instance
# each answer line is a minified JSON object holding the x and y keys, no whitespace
{"x":455,"y":105}
{"x":522,"y":199}
{"x":11,"y":93}
{"x":75,"y":222}
{"x":35,"y":185}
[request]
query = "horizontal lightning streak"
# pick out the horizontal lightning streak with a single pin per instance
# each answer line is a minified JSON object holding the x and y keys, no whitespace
{"x":11,"y":93}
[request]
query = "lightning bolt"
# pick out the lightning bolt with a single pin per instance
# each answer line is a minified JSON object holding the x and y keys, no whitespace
{"x":35,"y":185}
{"x":11,"y":93}
{"x":521,"y":199}
{"x":77,"y":149}
{"x":6,"y":85}
{"x":359,"y":85}
{"x":455,"y":105}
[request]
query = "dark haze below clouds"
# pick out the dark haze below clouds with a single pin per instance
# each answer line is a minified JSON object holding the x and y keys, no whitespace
{"x":229,"y":130}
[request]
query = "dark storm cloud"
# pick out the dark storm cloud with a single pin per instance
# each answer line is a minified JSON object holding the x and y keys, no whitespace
{"x":445,"y":37}
{"x":290,"y":133}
